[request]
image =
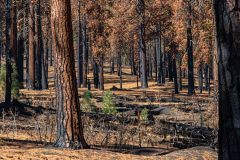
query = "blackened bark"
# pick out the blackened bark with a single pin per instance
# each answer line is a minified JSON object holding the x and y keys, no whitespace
{"x":95,"y":74}
{"x":132,"y":52}
{"x":80,"y":47}
{"x":9,"y":50}
{"x":120,"y":70}
{"x":1,"y":35}
{"x":200,"y":78}
{"x":101,"y":72}
{"x":112,"y":66}
{"x":206,"y":77}
{"x":170,"y":68}
{"x":13,"y":34}
{"x":84,"y":51}
{"x":175,"y":76}
{"x":228,"y":37}
{"x":141,"y":42}
{"x":31,"y":41}
{"x":69,"y":124}
{"x":190,"y":49}
{"x":159,"y":56}
{"x":180,"y":76}
{"x":45,"y":65}
{"x":20,"y":61}
{"x":39,"y":45}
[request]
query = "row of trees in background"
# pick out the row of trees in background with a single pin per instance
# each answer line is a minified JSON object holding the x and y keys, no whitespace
{"x":159,"y":39}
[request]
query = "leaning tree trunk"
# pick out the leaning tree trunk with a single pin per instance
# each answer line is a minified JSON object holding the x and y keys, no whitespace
{"x":190,"y":50}
{"x":69,"y":123}
{"x":228,"y":27}
{"x":141,"y":43}
{"x":31,"y":41}
{"x":8,"y":54}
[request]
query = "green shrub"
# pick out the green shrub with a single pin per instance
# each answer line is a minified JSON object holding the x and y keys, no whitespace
{"x":108,"y":103}
{"x":15,"y":84}
{"x":144,"y":115}
{"x":87,"y":104}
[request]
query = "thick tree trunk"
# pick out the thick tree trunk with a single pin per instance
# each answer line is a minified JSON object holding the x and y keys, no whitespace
{"x":190,"y":49}
{"x":45,"y":65}
{"x":141,"y":43}
{"x":69,"y":124}
{"x":9,"y":50}
{"x":132,"y":53}
{"x":228,"y":36}
{"x":13,"y":34}
{"x":31,"y":42}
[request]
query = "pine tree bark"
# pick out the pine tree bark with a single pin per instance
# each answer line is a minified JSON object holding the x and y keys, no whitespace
{"x":175,"y":76}
{"x":39,"y":45}
{"x":69,"y":124}
{"x":1,"y":35}
{"x":228,"y":37}
{"x":31,"y":34}
{"x":80,"y":47}
{"x":101,"y":72}
{"x":84,"y":51}
{"x":190,"y":49}
{"x":141,"y":42}
{"x":9,"y":50}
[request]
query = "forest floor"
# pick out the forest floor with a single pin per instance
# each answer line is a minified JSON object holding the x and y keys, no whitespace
{"x":180,"y":124}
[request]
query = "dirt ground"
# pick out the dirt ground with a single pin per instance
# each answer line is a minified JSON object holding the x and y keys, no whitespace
{"x":28,"y":137}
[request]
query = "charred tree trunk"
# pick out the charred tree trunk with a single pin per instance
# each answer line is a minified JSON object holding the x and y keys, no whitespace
{"x":69,"y":124}
{"x":120,"y":70}
{"x":200,"y":78}
{"x":20,"y":66}
{"x":170,"y":68}
{"x":112,"y":66}
{"x":228,"y":36}
{"x":190,"y":49}
{"x":45,"y":65}
{"x":206,"y":77}
{"x":9,"y":50}
{"x":80,"y":47}
{"x":159,"y":56}
{"x":84,"y":51}
{"x":1,"y":35}
{"x":13,"y":34}
{"x":141,"y":41}
{"x":101,"y":73}
{"x":39,"y":45}
{"x":132,"y":53}
{"x":95,"y":74}
{"x":175,"y":76}
{"x":180,"y":76}
{"x":31,"y":42}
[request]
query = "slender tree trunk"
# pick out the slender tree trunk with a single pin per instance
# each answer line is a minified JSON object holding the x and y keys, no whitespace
{"x":101,"y":73}
{"x":84,"y":50}
{"x":95,"y":74}
{"x":200,"y":77}
{"x":20,"y":63}
{"x":206,"y":73}
{"x":180,"y":76}
{"x":13,"y":34}
{"x":228,"y":36}
{"x":9,"y":50}
{"x":133,"y":66}
{"x":175,"y":76}
{"x":31,"y":42}
{"x":112,"y":66}
{"x":141,"y":41}
{"x":159,"y":56}
{"x":120,"y":70}
{"x":170,"y":68}
{"x":45,"y":65}
{"x":190,"y":50}
{"x":80,"y":47}
{"x":39,"y":45}
{"x":69,"y":124}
